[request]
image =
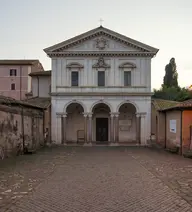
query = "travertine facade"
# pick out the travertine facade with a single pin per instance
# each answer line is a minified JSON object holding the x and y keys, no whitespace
{"x":91,"y":99}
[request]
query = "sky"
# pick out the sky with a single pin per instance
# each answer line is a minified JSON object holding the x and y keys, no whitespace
{"x":29,"y":26}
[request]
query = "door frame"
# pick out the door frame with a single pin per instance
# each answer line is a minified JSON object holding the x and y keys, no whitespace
{"x":106,"y":118}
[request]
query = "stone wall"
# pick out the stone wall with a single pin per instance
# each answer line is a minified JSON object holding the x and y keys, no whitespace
{"x":20,"y":125}
{"x":173,"y":138}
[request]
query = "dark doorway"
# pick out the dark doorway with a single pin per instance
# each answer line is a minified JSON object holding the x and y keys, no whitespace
{"x":102,"y":129}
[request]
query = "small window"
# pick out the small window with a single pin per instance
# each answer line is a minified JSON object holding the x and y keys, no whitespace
{"x":74,"y":78}
{"x":13,"y":86}
{"x":13,"y":72}
{"x":127,"y":78}
{"x":101,"y":78}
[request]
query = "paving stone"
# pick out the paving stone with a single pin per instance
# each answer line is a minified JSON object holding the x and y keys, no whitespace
{"x":97,"y":179}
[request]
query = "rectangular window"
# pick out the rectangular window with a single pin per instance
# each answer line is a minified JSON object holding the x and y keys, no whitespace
{"x":101,"y":78}
{"x":13,"y":86}
{"x":74,"y":78}
{"x":13,"y":72}
{"x":127,"y":78}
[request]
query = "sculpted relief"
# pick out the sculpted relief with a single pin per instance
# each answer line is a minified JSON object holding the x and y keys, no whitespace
{"x":101,"y":43}
{"x":101,"y":64}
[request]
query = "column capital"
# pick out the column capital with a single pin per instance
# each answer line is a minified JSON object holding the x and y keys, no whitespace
{"x":64,"y":115}
{"x":143,"y":115}
{"x":140,"y":114}
{"x":85,"y":114}
{"x":60,"y":115}
{"x":112,"y":115}
{"x":116,"y":114}
{"x":89,"y":115}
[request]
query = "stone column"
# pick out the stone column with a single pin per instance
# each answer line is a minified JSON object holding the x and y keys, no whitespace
{"x":85,"y":127}
{"x":138,"y":128}
{"x":112,"y":128}
{"x":58,"y":129}
{"x":143,"y":140}
{"x":63,"y":128}
{"x":89,"y":121}
{"x":116,"y":130}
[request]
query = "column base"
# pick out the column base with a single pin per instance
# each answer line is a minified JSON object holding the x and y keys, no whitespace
{"x":114,"y":144}
{"x":88,"y":144}
{"x":64,"y":144}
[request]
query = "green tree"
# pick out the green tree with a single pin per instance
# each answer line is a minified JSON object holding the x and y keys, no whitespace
{"x":171,"y":76}
{"x":172,"y":93}
{"x":170,"y":90}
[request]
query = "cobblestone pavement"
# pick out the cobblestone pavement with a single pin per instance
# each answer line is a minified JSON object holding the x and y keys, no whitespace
{"x":96,"y":179}
{"x":173,"y":170}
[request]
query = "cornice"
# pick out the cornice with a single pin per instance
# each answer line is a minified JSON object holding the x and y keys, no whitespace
{"x":100,"y":54}
{"x":60,"y":86}
{"x":101,"y":94}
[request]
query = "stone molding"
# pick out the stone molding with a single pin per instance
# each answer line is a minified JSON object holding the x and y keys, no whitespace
{"x":74,"y":65}
{"x":127,"y":65}
{"x":98,"y":54}
{"x":99,"y":94}
{"x":91,"y":86}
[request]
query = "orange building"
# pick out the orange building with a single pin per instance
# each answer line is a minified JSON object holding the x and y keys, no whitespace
{"x":172,"y":124}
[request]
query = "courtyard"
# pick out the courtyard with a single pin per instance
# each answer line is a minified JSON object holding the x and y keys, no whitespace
{"x":105,"y":179}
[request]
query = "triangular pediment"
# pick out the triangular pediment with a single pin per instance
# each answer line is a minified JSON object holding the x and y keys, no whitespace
{"x":101,"y":40}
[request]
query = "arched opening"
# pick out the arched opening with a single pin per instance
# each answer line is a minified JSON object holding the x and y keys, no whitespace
{"x":101,"y":122}
{"x":127,"y":123}
{"x":74,"y":123}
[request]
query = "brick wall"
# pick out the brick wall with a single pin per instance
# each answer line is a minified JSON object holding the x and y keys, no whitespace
{"x":14,"y":127}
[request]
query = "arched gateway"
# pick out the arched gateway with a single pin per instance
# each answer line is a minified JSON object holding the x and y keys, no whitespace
{"x":128,"y":128}
{"x":75,"y":123}
{"x":101,"y":122}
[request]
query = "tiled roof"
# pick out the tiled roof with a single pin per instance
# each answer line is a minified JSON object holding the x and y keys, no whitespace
{"x":187,"y":103}
{"x":42,"y":102}
{"x":162,"y":104}
{"x":18,"y":62}
{"x":11,"y":101}
{"x":41,"y":73}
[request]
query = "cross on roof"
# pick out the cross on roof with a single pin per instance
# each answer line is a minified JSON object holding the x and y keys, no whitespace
{"x":101,"y":20}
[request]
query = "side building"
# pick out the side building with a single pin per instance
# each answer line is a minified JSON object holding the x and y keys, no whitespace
{"x":15,"y":81}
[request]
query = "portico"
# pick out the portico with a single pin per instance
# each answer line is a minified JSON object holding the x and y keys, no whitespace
{"x":101,"y":124}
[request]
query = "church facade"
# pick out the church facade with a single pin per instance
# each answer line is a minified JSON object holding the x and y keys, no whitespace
{"x":101,"y":89}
